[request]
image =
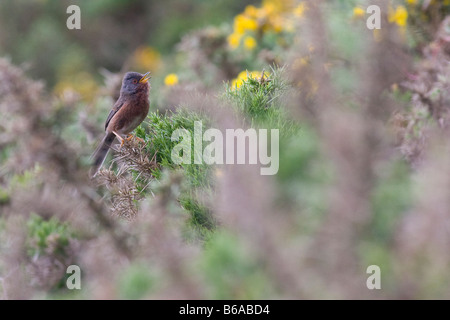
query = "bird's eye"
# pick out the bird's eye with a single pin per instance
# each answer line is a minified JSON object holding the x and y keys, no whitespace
{"x":134,"y":81}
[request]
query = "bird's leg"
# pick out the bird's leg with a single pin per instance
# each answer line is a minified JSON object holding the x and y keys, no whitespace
{"x":122,"y":140}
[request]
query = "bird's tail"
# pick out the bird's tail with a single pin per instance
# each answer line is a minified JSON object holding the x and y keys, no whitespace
{"x":101,"y":152}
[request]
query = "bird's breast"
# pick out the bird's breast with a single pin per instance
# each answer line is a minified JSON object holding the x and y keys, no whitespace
{"x":130,"y":115}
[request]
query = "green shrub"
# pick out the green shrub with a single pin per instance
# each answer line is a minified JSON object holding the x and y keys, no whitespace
{"x":47,"y":237}
{"x":231,"y":272}
{"x":136,"y":282}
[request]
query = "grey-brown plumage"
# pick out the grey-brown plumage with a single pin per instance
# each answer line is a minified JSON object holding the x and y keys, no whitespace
{"x":128,"y":112}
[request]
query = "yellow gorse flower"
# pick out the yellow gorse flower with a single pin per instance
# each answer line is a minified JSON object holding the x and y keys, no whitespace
{"x":243,"y":23}
{"x":245,"y":75}
{"x":279,"y":6}
{"x":276,"y":23}
{"x":398,"y":16}
{"x":300,"y":9}
{"x":252,"y":12}
{"x":249,"y":42}
{"x":234,"y":40}
{"x":82,"y":83}
{"x":146,"y":58}
{"x":358,"y":12}
{"x":273,"y":16}
{"x":171,"y":79}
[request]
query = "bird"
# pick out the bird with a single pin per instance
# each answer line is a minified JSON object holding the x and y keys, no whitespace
{"x":130,"y":109}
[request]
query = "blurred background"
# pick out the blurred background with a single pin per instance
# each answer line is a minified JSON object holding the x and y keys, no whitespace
{"x":115,"y":34}
{"x":364,"y":175}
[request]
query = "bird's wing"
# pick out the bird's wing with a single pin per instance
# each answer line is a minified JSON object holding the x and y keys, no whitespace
{"x":113,"y":111}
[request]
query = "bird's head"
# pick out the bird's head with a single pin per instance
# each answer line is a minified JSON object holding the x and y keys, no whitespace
{"x":133,"y":82}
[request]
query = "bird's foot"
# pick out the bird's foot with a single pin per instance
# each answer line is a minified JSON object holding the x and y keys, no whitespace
{"x":122,"y":140}
{"x":130,"y":136}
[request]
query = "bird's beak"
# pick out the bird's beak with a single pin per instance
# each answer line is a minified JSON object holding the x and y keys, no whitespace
{"x":145,"y":78}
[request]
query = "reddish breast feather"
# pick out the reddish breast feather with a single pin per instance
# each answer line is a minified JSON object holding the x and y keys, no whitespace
{"x":130,"y":115}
